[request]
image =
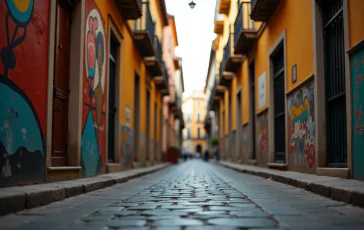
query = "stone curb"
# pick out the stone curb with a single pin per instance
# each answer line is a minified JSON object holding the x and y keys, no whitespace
{"x":14,"y":199}
{"x":346,"y":190}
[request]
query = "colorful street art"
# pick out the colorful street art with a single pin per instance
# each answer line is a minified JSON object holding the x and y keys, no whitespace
{"x":93,"y":114}
{"x":301,"y":124}
{"x":245,"y":142}
{"x":357,"y":75}
{"x":127,"y":146}
{"x":262,"y":138}
{"x":23,"y":86}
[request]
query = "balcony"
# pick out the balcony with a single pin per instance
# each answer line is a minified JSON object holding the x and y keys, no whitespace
{"x":162,"y":81}
{"x":233,"y":61}
{"x":219,"y":27}
{"x":153,"y":63}
{"x":176,"y":63}
{"x":172,"y":98}
{"x":245,"y":34}
{"x":224,"y":7}
{"x":230,"y":64}
{"x":262,"y":10}
{"x":129,"y":9}
{"x":143,"y":34}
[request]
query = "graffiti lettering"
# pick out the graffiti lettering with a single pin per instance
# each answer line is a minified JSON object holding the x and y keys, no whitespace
{"x":302,"y":125}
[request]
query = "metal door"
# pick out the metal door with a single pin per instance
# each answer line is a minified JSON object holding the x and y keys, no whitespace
{"x":279,"y":108}
{"x":252,"y":111}
{"x":239,"y":128}
{"x":61,"y":84}
{"x":335,"y":83}
{"x":147,"y":134}
{"x":112,"y":100}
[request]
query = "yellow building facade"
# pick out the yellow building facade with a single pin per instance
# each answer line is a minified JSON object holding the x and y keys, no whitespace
{"x":194,"y":110}
{"x":285,"y":93}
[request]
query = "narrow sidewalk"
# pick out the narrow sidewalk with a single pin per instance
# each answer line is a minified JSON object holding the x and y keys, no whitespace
{"x":346,"y":190}
{"x":13,"y":199}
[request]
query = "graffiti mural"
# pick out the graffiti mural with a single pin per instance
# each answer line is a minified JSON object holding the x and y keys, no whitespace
{"x":245,"y":142}
{"x":23,"y":87}
{"x":94,"y":95}
{"x":357,"y":75}
{"x":127,"y":146}
{"x":301,"y":127}
{"x":262,"y":139}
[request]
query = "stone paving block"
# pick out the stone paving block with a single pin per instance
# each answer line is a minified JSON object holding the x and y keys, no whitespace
{"x":11,"y":201}
{"x":243,"y":222}
{"x":177,"y":222}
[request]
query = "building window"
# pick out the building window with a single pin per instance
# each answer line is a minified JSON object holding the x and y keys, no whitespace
{"x":198,"y":104}
{"x":198,"y":117}
{"x":198,"y":132}
{"x":188,"y":132}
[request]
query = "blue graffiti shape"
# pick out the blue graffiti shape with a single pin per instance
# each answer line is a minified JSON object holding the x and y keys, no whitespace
{"x":21,"y":18}
{"x":90,"y":149}
{"x":19,"y":124}
{"x":22,"y":146}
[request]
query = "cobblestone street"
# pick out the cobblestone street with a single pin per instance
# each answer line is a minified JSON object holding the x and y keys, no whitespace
{"x":192,"y":195}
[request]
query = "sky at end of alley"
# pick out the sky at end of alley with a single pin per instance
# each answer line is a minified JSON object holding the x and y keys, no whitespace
{"x":195,"y":31}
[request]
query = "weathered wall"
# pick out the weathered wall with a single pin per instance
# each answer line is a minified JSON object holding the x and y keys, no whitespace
{"x":301,"y":129}
{"x":245,"y":145}
{"x":357,"y":83}
{"x":262,"y":139}
{"x":24,"y":27}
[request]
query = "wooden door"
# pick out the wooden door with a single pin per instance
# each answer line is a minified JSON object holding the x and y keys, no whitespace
{"x":61,"y":84}
{"x":279,"y":107}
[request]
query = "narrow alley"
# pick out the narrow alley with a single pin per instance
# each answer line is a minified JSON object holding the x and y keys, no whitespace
{"x":181,"y":114}
{"x":192,"y":195}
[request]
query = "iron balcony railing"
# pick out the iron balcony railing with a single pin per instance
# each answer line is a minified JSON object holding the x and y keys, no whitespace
{"x":243,"y":20}
{"x":145,"y":23}
{"x":158,"y":50}
{"x":227,"y":53}
{"x":212,"y":94}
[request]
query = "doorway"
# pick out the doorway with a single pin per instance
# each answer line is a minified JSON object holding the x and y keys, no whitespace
{"x":252,"y":108}
{"x":239,"y":127}
{"x":136,"y":117}
{"x":61,"y":84}
{"x":160,"y":155}
{"x":223,"y":135}
{"x":114,"y":45}
{"x":147,"y":134}
{"x":230,"y":146}
{"x":334,"y":59}
{"x":155,"y":132}
{"x":279,"y":105}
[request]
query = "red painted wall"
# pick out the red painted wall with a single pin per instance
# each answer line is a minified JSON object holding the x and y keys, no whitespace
{"x":94,"y":91}
{"x":24,"y":32}
{"x":31,"y":70}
